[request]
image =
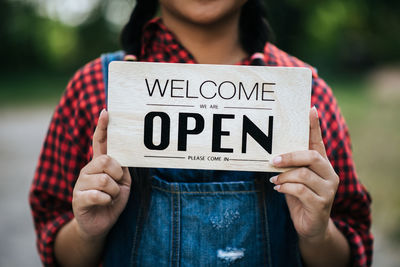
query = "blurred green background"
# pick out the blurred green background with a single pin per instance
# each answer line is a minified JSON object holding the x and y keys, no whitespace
{"x":355,"y":44}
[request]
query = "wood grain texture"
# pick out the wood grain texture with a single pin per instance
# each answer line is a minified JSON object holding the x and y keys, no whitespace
{"x":256,"y":92}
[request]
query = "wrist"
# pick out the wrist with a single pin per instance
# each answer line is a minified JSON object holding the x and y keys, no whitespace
{"x":319,"y":240}
{"x":328,"y":249}
{"x":85,"y":237}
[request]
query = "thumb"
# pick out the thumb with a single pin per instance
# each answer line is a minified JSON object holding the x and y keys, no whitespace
{"x":100,"y":135}
{"x":316,"y":142}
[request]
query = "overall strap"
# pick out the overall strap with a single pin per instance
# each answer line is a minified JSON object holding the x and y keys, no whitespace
{"x":105,"y":60}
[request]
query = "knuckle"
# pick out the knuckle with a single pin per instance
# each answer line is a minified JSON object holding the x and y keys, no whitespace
{"x":103,"y":180}
{"x":304,"y":172}
{"x":301,"y":189}
{"x":94,"y":196}
{"x":118,"y":174}
{"x":116,"y":191}
{"x":324,"y":203}
{"x":334,"y":183}
{"x":94,"y":137}
{"x":336,"y":180}
{"x":332,"y":194}
{"x":314,"y":156}
{"x":75,"y":206}
{"x":332,"y":191}
{"x":80,"y":182}
{"x":121,"y":173}
{"x":322,"y":144}
{"x":75,"y":197}
{"x":104,"y":160}
{"x":83,"y":171}
{"x":288,"y":158}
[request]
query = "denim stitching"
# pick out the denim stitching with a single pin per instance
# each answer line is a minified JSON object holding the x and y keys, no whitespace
{"x":172,"y":229}
{"x":205,"y":192}
{"x":177,"y":228}
{"x":260,"y":207}
{"x":134,"y":245}
{"x":267,"y":230}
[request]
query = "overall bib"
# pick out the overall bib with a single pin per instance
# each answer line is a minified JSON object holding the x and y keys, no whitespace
{"x":177,"y":217}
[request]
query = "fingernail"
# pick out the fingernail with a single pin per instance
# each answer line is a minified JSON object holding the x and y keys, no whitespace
{"x":276,"y":187}
{"x":102,"y":111}
{"x":277,"y":160}
{"x":315,"y":110}
{"x":273,"y":179}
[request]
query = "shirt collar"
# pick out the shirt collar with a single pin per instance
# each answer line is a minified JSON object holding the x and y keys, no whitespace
{"x":159,"y":44}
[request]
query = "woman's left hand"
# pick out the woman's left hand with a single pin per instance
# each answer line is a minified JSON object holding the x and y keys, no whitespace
{"x":310,"y":187}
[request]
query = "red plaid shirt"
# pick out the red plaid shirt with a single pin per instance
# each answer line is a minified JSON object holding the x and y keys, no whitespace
{"x":67,"y":147}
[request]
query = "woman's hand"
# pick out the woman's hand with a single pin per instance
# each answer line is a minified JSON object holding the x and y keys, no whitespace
{"x":310,"y":190}
{"x":100,"y":194}
{"x":102,"y":189}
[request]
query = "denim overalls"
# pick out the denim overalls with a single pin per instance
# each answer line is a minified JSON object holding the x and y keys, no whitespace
{"x":177,"y":217}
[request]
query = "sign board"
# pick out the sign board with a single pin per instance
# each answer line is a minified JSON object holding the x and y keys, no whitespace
{"x":196,"y":116}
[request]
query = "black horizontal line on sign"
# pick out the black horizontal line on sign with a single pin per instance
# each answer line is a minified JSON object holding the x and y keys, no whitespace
{"x":168,"y":105}
{"x":248,"y":108}
{"x":270,"y":83}
{"x":164,"y":157}
{"x":260,"y":160}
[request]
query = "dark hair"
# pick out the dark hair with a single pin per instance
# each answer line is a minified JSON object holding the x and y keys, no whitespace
{"x":253,"y":26}
{"x":131,"y":35}
{"x":254,"y":29}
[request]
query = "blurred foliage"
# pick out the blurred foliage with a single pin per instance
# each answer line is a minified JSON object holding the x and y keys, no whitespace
{"x":338,"y":35}
{"x":335,"y":35}
{"x":31,"y":41}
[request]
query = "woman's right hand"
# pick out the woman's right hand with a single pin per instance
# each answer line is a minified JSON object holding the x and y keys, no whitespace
{"x":102,"y":189}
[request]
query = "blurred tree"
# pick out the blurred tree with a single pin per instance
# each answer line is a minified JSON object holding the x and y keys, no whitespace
{"x":334,"y":35}
{"x":338,"y":34}
{"x":30,"y":40}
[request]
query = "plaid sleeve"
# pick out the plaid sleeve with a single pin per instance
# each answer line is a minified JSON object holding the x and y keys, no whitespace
{"x":351,"y":209}
{"x":66,"y":149}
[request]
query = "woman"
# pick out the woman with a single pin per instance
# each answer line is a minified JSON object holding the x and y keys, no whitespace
{"x":316,"y":214}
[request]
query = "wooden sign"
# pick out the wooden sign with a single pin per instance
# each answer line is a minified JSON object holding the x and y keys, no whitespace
{"x":197,"y":116}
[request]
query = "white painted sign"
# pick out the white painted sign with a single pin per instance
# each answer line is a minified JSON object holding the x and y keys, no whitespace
{"x":197,"y":116}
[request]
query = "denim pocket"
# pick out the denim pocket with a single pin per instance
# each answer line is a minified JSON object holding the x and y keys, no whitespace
{"x":204,"y":224}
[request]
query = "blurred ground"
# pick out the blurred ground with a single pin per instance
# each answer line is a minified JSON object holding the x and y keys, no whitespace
{"x":371,"y":109}
{"x":21,"y":136}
